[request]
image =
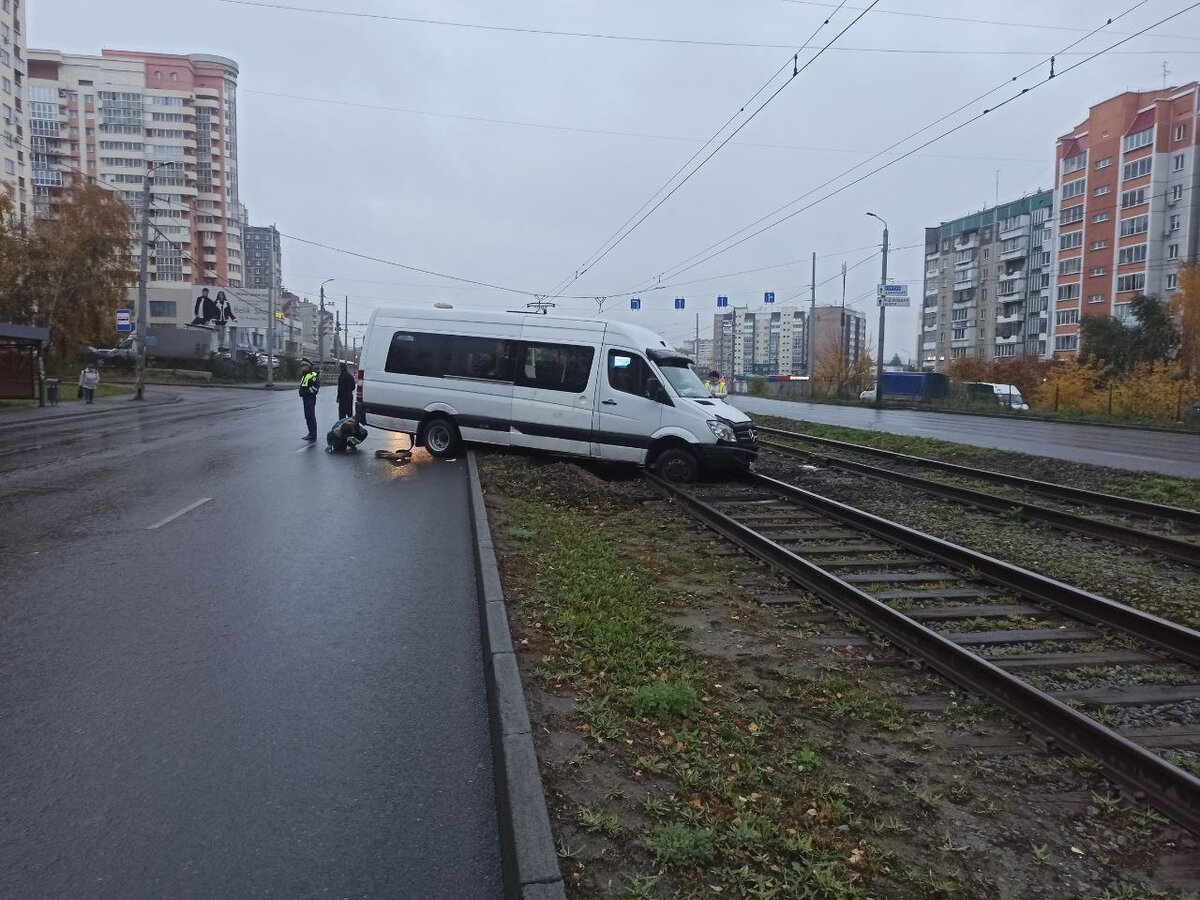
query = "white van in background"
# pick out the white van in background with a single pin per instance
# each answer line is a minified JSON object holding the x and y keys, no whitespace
{"x":582,"y":387}
{"x":1005,"y":395}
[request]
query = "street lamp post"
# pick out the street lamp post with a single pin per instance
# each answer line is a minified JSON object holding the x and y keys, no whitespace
{"x":139,"y":390}
{"x":321,"y":327}
{"x":882,"y":320}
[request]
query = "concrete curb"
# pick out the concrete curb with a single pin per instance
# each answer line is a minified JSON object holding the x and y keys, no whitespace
{"x":527,"y":847}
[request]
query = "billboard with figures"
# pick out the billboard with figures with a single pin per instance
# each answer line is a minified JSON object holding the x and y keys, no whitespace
{"x":218,"y":307}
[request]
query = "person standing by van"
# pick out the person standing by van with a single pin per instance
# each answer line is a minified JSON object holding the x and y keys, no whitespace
{"x":310,"y":384}
{"x":345,"y":392}
{"x":89,"y":378}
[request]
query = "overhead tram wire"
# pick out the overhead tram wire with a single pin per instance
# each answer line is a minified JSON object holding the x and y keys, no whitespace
{"x":796,"y":70}
{"x":184,"y":208}
{"x":579,"y":271}
{"x":693,"y":261}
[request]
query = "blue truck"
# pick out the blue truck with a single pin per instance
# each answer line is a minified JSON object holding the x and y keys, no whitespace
{"x":910,"y":386}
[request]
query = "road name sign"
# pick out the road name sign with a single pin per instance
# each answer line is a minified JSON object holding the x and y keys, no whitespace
{"x":893,"y":295}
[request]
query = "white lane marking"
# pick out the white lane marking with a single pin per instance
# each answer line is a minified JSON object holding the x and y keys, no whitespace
{"x":308,"y":446}
{"x":182,"y":512}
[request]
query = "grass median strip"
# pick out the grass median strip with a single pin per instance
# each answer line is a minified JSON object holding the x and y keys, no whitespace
{"x":694,"y":744}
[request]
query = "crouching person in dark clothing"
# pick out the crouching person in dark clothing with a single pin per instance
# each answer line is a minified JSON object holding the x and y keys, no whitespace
{"x":347,"y":434}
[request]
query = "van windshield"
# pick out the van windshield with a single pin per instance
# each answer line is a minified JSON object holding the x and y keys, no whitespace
{"x":685,"y":382}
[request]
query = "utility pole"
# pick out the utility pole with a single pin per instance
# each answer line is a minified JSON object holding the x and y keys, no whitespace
{"x":321,"y":327}
{"x":139,"y":390}
{"x":882,"y":319}
{"x":844,"y":363}
{"x":271,"y":286}
{"x":812,"y":333}
{"x":345,"y":323}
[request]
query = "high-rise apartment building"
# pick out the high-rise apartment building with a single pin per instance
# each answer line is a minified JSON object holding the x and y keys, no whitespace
{"x":18,"y":141}
{"x":839,"y":338}
{"x":765,"y":341}
{"x":262,"y":256}
{"x":987,"y":283}
{"x":112,"y":117}
{"x":1126,"y":205}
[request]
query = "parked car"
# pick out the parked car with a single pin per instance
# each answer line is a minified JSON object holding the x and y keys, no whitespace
{"x":260,"y":360}
{"x":580,"y":387}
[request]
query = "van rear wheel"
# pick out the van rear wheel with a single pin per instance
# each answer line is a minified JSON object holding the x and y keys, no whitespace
{"x":441,"y":438}
{"x":677,"y":465}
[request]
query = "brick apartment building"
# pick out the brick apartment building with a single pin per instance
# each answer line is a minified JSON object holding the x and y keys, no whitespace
{"x":1125,"y":206}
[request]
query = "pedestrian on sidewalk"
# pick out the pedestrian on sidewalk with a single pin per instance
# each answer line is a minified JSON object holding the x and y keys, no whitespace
{"x":88,"y":379}
{"x":345,"y":393}
{"x":309,"y":385}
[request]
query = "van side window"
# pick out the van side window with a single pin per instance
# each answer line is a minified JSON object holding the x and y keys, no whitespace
{"x":628,"y":373}
{"x":554,"y":367}
{"x":450,"y":356}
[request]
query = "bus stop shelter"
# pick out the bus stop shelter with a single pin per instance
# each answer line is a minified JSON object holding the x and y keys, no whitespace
{"x":20,"y":347}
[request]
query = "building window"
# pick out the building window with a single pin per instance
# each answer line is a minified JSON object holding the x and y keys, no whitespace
{"x":1177,"y":162}
{"x":174,"y":76}
{"x":1135,"y":225}
{"x":1068,"y":292}
{"x":1127,"y":283}
{"x":960,"y":334}
{"x":1070,"y":240}
{"x":1172,"y":251}
{"x":1177,"y":192}
{"x":1173,"y":222}
{"x":1172,"y":281}
{"x":1180,"y":132}
{"x":158,"y":75}
{"x":1096,"y":298}
{"x":1070,"y":266}
{"x":1099,"y":217}
{"x":162,"y":309}
{"x":1098,"y":245}
{"x":1066,"y":342}
{"x":1074,"y":163}
{"x":1066,"y":317}
{"x":1134,"y":254}
{"x":1071,"y":215}
{"x":1073,"y":189}
{"x":1104,"y":163}
{"x":1096,"y":271}
{"x":1133,"y":198}
{"x":1138,"y":168}
{"x":1138,"y":139}
{"x":1102,"y":190}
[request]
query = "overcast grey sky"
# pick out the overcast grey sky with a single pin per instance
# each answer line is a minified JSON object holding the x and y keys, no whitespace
{"x":375,"y":161}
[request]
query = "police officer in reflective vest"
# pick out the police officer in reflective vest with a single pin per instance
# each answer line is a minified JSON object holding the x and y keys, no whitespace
{"x":310,"y":383}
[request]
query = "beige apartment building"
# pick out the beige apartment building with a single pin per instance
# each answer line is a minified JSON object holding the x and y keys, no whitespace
{"x":18,"y":141}
{"x":115,"y":116}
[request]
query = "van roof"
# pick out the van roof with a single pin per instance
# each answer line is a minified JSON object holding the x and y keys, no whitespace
{"x":641,"y":337}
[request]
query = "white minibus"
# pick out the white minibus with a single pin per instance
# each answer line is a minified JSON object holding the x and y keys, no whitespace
{"x":580,"y":387}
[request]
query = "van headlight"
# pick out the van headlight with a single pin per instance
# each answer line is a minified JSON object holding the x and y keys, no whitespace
{"x":722,"y":431}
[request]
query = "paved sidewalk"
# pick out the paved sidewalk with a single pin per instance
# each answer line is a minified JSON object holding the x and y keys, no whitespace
{"x":72,"y":408}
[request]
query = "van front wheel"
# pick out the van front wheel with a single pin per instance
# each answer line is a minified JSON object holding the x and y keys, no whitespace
{"x":442,"y":438}
{"x":677,"y":465}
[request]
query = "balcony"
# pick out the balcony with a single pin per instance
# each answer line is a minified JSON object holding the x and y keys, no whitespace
{"x":966,"y":241}
{"x":1021,"y":250}
{"x":1017,"y":316}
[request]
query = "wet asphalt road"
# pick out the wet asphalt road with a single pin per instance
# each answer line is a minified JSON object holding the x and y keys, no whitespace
{"x":277,"y":694}
{"x":1120,"y":448}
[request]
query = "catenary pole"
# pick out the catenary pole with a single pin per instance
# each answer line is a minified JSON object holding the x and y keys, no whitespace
{"x":139,"y":379}
{"x":271,"y":275}
{"x":882,"y":319}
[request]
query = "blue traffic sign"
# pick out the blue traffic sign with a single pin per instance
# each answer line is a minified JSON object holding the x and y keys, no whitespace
{"x":722,"y":302}
{"x":769,"y":297}
{"x":680,"y":303}
{"x":635,"y":303}
{"x":124,"y":320}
